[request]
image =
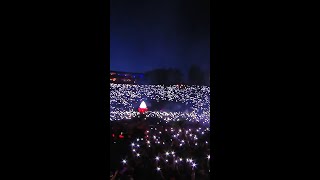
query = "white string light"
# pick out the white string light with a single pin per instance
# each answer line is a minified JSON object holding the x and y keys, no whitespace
{"x":125,"y":99}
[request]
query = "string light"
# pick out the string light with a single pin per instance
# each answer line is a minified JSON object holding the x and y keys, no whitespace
{"x":124,"y":99}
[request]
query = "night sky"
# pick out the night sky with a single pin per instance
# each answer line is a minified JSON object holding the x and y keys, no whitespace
{"x":149,"y":34}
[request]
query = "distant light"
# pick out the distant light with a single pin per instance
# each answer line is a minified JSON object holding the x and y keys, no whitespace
{"x":194,"y":165}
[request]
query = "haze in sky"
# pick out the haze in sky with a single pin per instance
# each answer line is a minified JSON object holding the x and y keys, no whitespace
{"x":149,"y":34}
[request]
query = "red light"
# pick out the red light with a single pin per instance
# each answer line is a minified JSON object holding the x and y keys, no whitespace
{"x":142,"y":110}
{"x":112,"y":135}
{"x":121,"y":137}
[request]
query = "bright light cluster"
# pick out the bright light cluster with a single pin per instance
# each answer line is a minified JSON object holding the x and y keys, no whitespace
{"x":164,"y":151}
{"x":125,"y":99}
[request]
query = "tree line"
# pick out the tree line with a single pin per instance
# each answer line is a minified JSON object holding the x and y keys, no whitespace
{"x":173,"y":76}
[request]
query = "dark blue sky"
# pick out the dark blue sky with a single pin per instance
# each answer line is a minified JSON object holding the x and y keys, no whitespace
{"x":149,"y":34}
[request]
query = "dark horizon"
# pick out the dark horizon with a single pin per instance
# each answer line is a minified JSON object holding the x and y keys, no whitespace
{"x":146,"y":35}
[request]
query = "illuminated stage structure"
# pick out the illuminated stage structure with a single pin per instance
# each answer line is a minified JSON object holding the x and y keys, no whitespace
{"x":142,"y":108}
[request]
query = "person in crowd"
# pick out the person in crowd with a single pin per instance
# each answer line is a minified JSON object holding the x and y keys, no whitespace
{"x":192,"y":142}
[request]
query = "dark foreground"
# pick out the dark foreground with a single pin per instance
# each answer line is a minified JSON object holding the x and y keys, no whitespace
{"x":154,"y":149}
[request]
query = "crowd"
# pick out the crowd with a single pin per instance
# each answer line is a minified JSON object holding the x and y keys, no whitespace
{"x":176,"y":146}
{"x":167,"y":151}
{"x":125,"y":98}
